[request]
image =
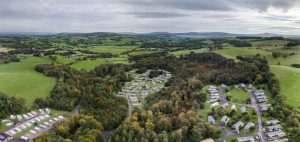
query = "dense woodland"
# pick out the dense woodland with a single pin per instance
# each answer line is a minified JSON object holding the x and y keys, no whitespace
{"x":11,"y":105}
{"x":93,"y":91}
{"x":172,"y":114}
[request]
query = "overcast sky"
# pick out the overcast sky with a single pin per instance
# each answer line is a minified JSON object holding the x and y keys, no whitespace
{"x":234,"y":16}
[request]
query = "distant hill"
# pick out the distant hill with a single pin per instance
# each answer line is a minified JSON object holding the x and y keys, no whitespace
{"x":156,"y":34}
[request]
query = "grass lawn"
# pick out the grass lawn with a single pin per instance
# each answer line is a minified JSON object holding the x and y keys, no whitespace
{"x":183,"y":52}
{"x":289,"y":79}
{"x":20,"y":79}
{"x":238,"y":96}
{"x":110,"y":49}
{"x":91,"y":64}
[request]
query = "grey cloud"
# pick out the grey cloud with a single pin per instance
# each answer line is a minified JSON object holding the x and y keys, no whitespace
{"x":157,"y":14}
{"x":264,"y":5}
{"x":135,"y":15}
{"x":214,"y":5}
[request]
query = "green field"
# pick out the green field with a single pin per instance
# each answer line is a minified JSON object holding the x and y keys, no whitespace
{"x":238,"y":96}
{"x":289,"y":79}
{"x":109,"y":49}
{"x":91,"y":64}
{"x":20,"y":79}
{"x":232,"y":52}
{"x":183,"y":52}
{"x":64,"y":60}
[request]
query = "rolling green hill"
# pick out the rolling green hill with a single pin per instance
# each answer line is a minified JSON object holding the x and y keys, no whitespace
{"x":289,"y":79}
{"x":20,"y":79}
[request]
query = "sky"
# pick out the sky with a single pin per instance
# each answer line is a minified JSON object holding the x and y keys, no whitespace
{"x":143,"y":16}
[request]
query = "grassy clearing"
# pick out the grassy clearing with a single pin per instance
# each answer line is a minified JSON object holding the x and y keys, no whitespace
{"x":20,"y":79}
{"x":110,"y":49}
{"x":289,"y":79}
{"x":238,"y":96}
{"x":91,"y":64}
{"x":183,"y":52}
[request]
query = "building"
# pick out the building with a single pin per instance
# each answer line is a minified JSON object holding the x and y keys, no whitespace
{"x":272,"y":122}
{"x":276,"y":134}
{"x":244,"y":109}
{"x":273,"y":128}
{"x":224,"y":86}
{"x":250,"y":86}
{"x":264,"y":108}
{"x":215,"y":104}
{"x":243,"y":85}
{"x":245,"y":139}
{"x":262,"y":100}
{"x":237,"y":125}
{"x":236,"y":87}
{"x":5,"y":138}
{"x":208,"y":140}
{"x":281,"y":140}
{"x":224,"y":120}
{"x":233,"y":107}
{"x":249,"y":125}
{"x":211,"y":119}
{"x":225,"y":105}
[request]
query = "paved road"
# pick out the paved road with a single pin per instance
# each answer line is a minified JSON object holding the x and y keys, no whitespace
{"x":223,"y":98}
{"x":260,"y":132}
{"x":128,"y":100}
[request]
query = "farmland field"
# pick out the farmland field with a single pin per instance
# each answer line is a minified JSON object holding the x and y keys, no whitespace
{"x":232,"y":52}
{"x":289,"y":79}
{"x":110,"y":49}
{"x":91,"y":64}
{"x":20,"y":79}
